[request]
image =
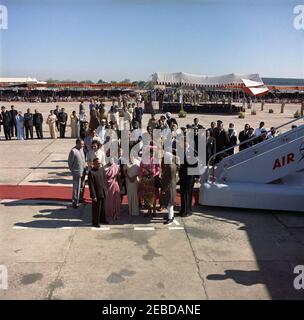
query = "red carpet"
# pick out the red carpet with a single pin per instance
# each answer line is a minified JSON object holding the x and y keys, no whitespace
{"x":59,"y":193}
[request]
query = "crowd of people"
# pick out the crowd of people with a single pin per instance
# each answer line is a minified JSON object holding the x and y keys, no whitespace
{"x":16,"y":124}
{"x":147,"y":184}
{"x":169,"y":94}
{"x":19,"y":125}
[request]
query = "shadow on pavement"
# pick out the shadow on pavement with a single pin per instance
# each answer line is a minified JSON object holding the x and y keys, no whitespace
{"x":50,"y":168}
{"x":276,"y":274}
{"x":67,"y":216}
{"x":52,"y":181}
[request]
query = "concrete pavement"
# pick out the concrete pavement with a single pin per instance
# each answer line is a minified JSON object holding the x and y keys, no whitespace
{"x":52,"y":252}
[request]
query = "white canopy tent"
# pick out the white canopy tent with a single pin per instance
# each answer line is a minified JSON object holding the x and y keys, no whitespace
{"x":251,"y":83}
{"x":19,"y":80}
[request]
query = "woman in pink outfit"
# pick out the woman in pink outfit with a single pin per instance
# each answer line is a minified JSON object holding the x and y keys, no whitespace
{"x":113,"y":197}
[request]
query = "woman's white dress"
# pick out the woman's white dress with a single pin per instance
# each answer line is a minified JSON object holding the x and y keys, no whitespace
{"x":132,"y":170}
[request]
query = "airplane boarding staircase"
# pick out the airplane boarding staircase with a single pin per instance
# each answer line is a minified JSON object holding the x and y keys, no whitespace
{"x":267,"y":175}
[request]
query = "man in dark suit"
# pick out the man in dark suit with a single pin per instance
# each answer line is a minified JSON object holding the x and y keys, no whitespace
{"x":28,"y":124}
{"x":98,"y":191}
{"x":186,"y":180}
{"x":5,"y":121}
{"x":38,"y":120}
{"x":243,"y":135}
{"x":212,"y":127}
{"x":81,"y":107}
{"x":138,"y":113}
{"x":251,"y":135}
{"x":13,"y":127}
{"x":62,"y":119}
{"x":56,"y":112}
{"x":221,"y":140}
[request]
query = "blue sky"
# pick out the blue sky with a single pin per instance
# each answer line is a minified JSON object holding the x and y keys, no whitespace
{"x":114,"y":40}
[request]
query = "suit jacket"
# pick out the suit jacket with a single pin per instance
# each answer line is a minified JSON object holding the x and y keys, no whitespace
{"x":76,"y":161}
{"x":221,"y":138}
{"x":211,"y":132}
{"x":197,"y":127}
{"x":28,"y":119}
{"x":232,"y":139}
{"x":13,"y":114}
{"x":6,"y":118}
{"x":138,"y":111}
{"x":242,"y":137}
{"x":62,"y":117}
{"x":184,"y":176}
{"x":97,"y":183}
{"x":38,"y":119}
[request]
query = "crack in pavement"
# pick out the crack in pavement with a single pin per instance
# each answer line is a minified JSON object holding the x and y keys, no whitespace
{"x":196,"y":260}
{"x":58,"y":282}
{"x":49,"y":144}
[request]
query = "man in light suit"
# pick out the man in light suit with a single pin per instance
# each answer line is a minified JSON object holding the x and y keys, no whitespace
{"x":77,"y":165}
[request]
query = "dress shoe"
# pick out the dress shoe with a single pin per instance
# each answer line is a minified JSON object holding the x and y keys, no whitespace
{"x":168,"y":222}
{"x":186,"y":214}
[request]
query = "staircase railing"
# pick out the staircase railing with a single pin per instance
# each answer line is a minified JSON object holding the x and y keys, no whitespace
{"x":237,"y":145}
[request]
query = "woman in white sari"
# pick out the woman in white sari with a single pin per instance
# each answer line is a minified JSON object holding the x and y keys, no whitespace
{"x":74,"y":125}
{"x":51,"y":121}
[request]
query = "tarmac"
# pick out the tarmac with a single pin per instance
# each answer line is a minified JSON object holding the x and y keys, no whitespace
{"x":51,"y":251}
